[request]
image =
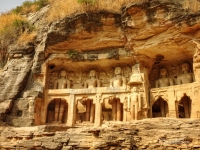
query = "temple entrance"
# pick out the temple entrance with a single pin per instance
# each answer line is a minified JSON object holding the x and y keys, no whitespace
{"x":160,"y":108}
{"x":184,"y":107}
{"x":57,"y":111}
{"x":85,"y":111}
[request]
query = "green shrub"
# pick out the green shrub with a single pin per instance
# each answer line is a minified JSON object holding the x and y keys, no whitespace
{"x":87,"y":1}
{"x":41,"y":3}
{"x":30,"y":6}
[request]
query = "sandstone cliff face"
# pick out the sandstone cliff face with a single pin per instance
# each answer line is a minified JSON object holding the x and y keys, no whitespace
{"x":156,"y":33}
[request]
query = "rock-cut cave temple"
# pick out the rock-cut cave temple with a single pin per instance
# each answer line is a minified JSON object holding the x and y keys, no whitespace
{"x":112,"y":67}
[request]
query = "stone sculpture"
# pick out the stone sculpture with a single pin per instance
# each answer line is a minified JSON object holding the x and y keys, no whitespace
{"x":187,"y":76}
{"x":62,"y":82}
{"x":164,"y":80}
{"x":92,"y":81}
{"x":136,"y":77}
{"x":118,"y":80}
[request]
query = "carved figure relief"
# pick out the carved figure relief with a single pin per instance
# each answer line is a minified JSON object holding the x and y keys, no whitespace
{"x":84,"y":77}
{"x":186,"y":76}
{"x":72,"y":78}
{"x":136,"y":77}
{"x":118,"y":79}
{"x":127,"y":72}
{"x":164,"y":80}
{"x":103,"y":78}
{"x":53,"y":76}
{"x":92,"y":81}
{"x":62,"y":82}
{"x":110,"y":73}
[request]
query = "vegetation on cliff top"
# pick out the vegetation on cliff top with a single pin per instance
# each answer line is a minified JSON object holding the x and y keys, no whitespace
{"x":30,"y":6}
{"x":63,"y":8}
{"x":16,"y":29}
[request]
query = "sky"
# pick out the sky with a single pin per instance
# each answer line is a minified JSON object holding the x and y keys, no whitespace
{"x":6,"y":5}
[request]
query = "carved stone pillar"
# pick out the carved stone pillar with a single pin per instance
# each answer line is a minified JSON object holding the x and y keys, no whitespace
{"x":98,"y":111}
{"x":119,"y":108}
{"x":71,"y":110}
{"x":92,"y":112}
{"x":114,"y":109}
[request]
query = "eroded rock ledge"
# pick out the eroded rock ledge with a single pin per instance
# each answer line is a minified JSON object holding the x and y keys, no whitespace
{"x":160,"y":133}
{"x":159,"y":33}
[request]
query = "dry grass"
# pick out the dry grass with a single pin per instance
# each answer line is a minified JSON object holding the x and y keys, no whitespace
{"x":26,"y":37}
{"x":27,"y":10}
{"x":63,"y":8}
{"x":7,"y":20}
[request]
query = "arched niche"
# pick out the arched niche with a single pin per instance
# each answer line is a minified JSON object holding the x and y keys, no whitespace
{"x":112,"y":109}
{"x":160,"y":108}
{"x":184,"y":107}
{"x":57,"y":111}
{"x":85,"y":110}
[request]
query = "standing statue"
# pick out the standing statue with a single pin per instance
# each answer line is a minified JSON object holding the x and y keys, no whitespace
{"x":118,"y":80}
{"x":60,"y":83}
{"x":92,"y":81}
{"x":187,"y":76}
{"x":164,"y":80}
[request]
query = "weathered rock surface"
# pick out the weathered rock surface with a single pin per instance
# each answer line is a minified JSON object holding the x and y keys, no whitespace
{"x":160,"y":134}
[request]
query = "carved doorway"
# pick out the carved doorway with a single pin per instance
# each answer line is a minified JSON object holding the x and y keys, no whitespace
{"x":57,"y":111}
{"x":184,"y":107}
{"x":160,"y":108}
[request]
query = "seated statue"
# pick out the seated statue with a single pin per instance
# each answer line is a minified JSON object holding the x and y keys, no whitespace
{"x":62,"y":82}
{"x":187,"y":76}
{"x":118,"y":80}
{"x":92,"y":81}
{"x":164,"y":80}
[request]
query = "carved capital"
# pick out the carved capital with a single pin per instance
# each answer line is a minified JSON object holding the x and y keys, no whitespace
{"x":99,"y":98}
